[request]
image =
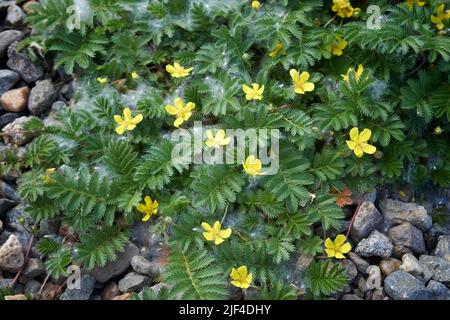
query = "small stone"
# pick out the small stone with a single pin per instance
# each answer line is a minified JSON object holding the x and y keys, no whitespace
{"x":438,"y":291}
{"x":58,"y":106}
{"x":6,"y":205}
{"x":110,"y":291}
{"x":8,"y":79}
{"x":350,"y":297}
{"x":15,"y":132}
{"x":390,"y":265}
{"x":7,"y":118}
{"x":399,"y":251}
{"x":11,"y":255}
{"x":133,"y":282}
{"x":432,"y":235}
{"x":19,"y":62}
{"x":49,"y":227}
{"x":87,"y":284}
{"x":67,"y":90}
{"x":378,"y":294}
{"x":352,"y":272}
{"x":362,"y":285}
{"x":6,"y":191}
{"x":123,"y":297}
{"x":7,"y":37}
{"x":16,"y":297}
{"x":33,"y":268}
{"x":439,"y":267}
{"x":409,"y":236}
{"x":15,"y":100}
{"x":49,"y":291}
{"x":14,"y":16}
{"x":1,"y":225}
{"x":360,"y":263}
{"x":115,"y":268}
{"x":32,"y":287}
{"x":401,"y":285}
{"x":413,"y":266}
{"x":304,"y":261}
{"x":42,"y":96}
{"x":443,"y":248}
{"x":26,"y":7}
{"x":377,"y":244}
{"x":367,"y":220}
{"x":400,"y":212}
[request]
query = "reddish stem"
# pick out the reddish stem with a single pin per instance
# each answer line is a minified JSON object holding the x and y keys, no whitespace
{"x":354,"y":216}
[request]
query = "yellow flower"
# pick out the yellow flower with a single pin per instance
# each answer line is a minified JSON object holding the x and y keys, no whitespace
{"x":177,"y":71}
{"x":181,"y":111}
{"x":410,"y":3}
{"x":358,"y":144}
{"x":337,"y":46}
{"x":254,"y":93}
{"x":438,"y":130}
{"x":256,"y":5}
{"x":134,"y":75}
{"x":241,"y":278}
{"x":218,"y":140}
{"x":215,"y":233}
{"x":344,"y":9}
{"x":301,"y":83}
{"x":440,"y":17}
{"x":338,"y":248}
{"x":127,"y":123}
{"x":252,"y":166}
{"x":102,"y":80}
{"x":148,"y":208}
{"x":278,"y":48}
{"x":358,"y":73}
{"x":47,"y":177}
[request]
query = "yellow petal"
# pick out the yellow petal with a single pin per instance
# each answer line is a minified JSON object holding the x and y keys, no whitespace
{"x":148,"y":200}
{"x":210,"y":143}
{"x":178,"y":102}
{"x":339,"y":255}
{"x":369,"y":149}
{"x":218,"y":241}
{"x":171,"y":110}
{"x":118,"y":119}
{"x":147,"y":217}
{"x":209,"y":236}
{"x":242,"y":270}
{"x":220,"y":134}
{"x":308,"y":86}
{"x":304,"y":76}
{"x":170,"y":68}
{"x":141,"y":208}
{"x":340,"y":240}
{"x":120,"y":130}
{"x":330,"y":252}
{"x":178,"y":122}
{"x":246,"y":89}
{"x":358,"y":151}
{"x":190,"y":106}
{"x":236,"y":283}
{"x":187,"y":116}
{"x":217,"y":226}
{"x":138,"y":119}
{"x":365,"y":135}
{"x":127,"y":113}
{"x":261,"y":90}
{"x":225,"y":233}
{"x":210,"y":135}
{"x":345,"y":248}
{"x":249,"y":279}
{"x":354,"y":134}
{"x":351,"y":144}
{"x":329,"y":244}
{"x":206,"y":226}
{"x":294,"y":74}
{"x":234,"y":274}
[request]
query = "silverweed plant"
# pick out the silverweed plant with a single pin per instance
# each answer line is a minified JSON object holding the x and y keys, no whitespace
{"x":356,"y":108}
